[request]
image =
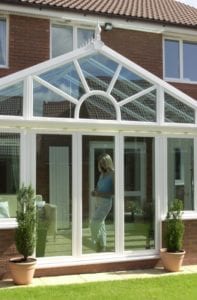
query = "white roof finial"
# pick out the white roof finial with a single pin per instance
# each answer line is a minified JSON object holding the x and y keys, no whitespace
{"x":98,"y":32}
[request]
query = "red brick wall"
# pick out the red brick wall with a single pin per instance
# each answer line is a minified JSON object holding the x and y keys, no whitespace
{"x":28,"y":43}
{"x":143,"y":48}
{"x":7,"y":249}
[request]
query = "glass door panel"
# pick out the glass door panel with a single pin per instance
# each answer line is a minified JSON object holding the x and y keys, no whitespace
{"x":139,"y":193}
{"x":54,"y":194}
{"x":98,"y":231}
{"x":181,"y":171}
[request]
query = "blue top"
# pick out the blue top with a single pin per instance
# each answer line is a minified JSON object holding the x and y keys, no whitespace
{"x":105,"y":184}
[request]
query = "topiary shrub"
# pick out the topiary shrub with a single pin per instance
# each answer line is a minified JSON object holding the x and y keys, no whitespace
{"x":25,"y":237}
{"x":174,"y":227}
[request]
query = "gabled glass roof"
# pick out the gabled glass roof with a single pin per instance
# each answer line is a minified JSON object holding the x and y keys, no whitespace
{"x":94,"y":83}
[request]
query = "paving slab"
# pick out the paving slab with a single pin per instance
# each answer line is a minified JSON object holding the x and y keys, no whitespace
{"x":96,"y":277}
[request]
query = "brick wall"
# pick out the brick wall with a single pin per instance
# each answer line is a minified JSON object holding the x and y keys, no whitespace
{"x":143,"y":48}
{"x":28,"y":43}
{"x":7,"y":249}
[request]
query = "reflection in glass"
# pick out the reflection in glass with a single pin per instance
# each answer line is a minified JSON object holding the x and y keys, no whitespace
{"x":83,"y":36}
{"x":172,"y":57}
{"x":189,"y":61}
{"x":62,"y":39}
{"x":178,"y":112}
{"x":49,"y":104}
{"x":98,"y":230}
{"x":128,"y":84}
{"x":98,"y":107}
{"x":141,"y":109}
{"x":54,"y":195}
{"x":9,"y":173}
{"x":66,"y":79}
{"x":11,"y":100}
{"x":98,"y":71}
{"x":139,"y":193}
{"x":2,"y":42}
{"x":181,"y":171}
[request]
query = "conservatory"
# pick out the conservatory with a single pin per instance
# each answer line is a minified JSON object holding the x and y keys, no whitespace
{"x":57,"y":117}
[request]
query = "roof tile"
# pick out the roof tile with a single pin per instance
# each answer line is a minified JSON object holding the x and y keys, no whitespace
{"x":166,"y":11}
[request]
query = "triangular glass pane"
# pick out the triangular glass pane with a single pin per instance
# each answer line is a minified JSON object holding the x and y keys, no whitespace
{"x":98,"y":71}
{"x":178,"y":112}
{"x":142,"y":109}
{"x":46,"y":103}
{"x":11,"y":100}
{"x":66,"y":79}
{"x":97,"y":107}
{"x":128,"y":84}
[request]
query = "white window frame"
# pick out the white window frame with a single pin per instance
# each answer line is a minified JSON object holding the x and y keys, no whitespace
{"x":75,"y":33}
{"x":7,"y":42}
{"x":181,"y":41}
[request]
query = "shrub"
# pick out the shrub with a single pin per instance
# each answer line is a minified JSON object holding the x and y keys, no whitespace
{"x":174,"y":227}
{"x":26,"y":217}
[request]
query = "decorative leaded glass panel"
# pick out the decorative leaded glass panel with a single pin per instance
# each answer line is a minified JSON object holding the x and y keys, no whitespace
{"x":66,"y":79}
{"x":49,"y":104}
{"x":128,"y":84}
{"x":11,"y":100}
{"x":97,"y":107}
{"x":98,"y":71}
{"x":141,"y":109}
{"x":178,"y":112}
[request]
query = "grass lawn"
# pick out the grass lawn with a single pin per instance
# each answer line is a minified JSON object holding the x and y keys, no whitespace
{"x":175,"y":287}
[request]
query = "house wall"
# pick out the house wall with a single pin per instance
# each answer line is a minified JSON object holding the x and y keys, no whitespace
{"x":29,"y":44}
{"x":8,"y":250}
{"x":143,"y":48}
{"x":29,"y":40}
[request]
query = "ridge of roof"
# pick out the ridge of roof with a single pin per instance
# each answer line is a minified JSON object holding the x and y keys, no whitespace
{"x":162,"y":11}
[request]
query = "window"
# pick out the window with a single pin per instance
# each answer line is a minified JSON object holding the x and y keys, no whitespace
{"x":180,"y":60}
{"x":9,"y":173}
{"x":181,"y":171}
{"x":66,"y":38}
{"x":62,"y":39}
{"x":3,"y":42}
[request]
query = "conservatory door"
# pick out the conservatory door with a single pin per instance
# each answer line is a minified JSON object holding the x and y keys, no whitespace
{"x":138,"y":193}
{"x":101,"y":226}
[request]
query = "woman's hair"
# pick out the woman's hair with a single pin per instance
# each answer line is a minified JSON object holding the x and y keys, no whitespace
{"x":105,"y":162}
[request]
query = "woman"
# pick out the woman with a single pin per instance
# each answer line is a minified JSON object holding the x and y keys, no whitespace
{"x":104,"y":193}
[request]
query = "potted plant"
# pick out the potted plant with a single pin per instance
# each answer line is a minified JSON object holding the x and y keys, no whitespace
{"x":23,"y":267}
{"x":172,"y":256}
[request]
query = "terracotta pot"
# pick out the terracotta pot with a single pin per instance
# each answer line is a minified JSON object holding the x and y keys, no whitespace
{"x":22,"y":272}
{"x":172,"y":261}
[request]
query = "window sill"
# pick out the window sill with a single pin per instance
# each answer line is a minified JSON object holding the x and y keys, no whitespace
{"x":187,"y":215}
{"x":8,"y":223}
{"x":180,"y":81}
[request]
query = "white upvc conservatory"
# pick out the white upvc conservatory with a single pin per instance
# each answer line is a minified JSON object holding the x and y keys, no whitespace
{"x":57,"y":117}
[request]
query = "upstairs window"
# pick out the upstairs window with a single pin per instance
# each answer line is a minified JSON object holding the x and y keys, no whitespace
{"x":3,"y":42}
{"x":66,"y":38}
{"x":180,"y":60}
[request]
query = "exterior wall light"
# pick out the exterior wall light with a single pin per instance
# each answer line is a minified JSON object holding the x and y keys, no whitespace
{"x":108,"y":26}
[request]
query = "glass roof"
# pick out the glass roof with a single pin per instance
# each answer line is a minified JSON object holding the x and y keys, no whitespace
{"x":94,"y":84}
